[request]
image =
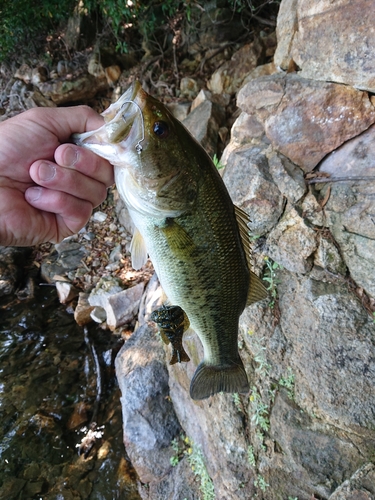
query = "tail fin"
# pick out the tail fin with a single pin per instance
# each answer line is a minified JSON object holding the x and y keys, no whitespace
{"x":210,"y":379}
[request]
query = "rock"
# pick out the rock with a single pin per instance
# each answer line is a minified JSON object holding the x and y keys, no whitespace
{"x":204,"y":123}
{"x":358,"y":253}
{"x":66,"y":291}
{"x":189,"y":87}
{"x":24,"y":73}
{"x":179,"y":110}
{"x":215,"y":425}
{"x":328,"y":257}
{"x":308,"y":35}
{"x":83,"y":310}
{"x":247,"y":129}
{"x":292,"y":243}
{"x":312,"y":211}
{"x":325,"y":322}
{"x":149,"y":420}
{"x":98,"y":314}
{"x":264,"y":70}
{"x":250,"y":184}
{"x":310,"y":457}
{"x":287,"y":25}
{"x":105,"y":287}
{"x":361,"y":486}
{"x":65,"y":257}
{"x":287,"y":176}
{"x":99,"y":216}
{"x":229,"y":77}
{"x":83,"y":87}
{"x":304,"y":119}
{"x":122,"y":307}
{"x":112,"y":74}
{"x":12,"y":263}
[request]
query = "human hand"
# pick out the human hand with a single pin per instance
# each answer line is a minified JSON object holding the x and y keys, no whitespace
{"x":48,"y":187}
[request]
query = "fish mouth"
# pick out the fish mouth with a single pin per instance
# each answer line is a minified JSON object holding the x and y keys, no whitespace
{"x":123,"y":126}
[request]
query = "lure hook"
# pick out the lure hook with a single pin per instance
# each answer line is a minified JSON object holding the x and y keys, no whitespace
{"x":138,"y":146}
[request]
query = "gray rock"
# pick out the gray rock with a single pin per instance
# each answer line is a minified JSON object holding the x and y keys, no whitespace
{"x":287,"y":176}
{"x":291,"y":243}
{"x":12,"y":262}
{"x":306,"y":119}
{"x":204,"y":123}
{"x":122,"y":307}
{"x":252,"y":188}
{"x":361,"y":486}
{"x":331,"y":336}
{"x":149,"y":420}
{"x":308,"y":35}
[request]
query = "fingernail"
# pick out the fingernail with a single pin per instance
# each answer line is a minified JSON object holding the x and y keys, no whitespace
{"x":70,"y":156}
{"x":33,"y":193}
{"x":46,"y":171}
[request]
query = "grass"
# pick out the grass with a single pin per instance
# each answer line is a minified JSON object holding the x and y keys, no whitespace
{"x":288,"y":382}
{"x":270,"y":277}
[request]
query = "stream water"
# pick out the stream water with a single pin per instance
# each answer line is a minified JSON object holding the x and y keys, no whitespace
{"x":60,"y":414}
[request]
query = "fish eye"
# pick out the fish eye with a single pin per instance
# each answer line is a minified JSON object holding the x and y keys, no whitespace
{"x":161,"y":129}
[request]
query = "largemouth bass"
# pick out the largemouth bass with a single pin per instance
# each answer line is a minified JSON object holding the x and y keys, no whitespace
{"x":185,"y":221}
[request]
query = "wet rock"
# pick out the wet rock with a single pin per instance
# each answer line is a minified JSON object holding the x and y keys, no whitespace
{"x":12,"y":262}
{"x":304,"y":119}
{"x":361,"y":486}
{"x":65,"y":257}
{"x":83,"y":310}
{"x":229,"y":77}
{"x":66,"y":291}
{"x":250,"y":184}
{"x":149,"y":420}
{"x":308,"y":35}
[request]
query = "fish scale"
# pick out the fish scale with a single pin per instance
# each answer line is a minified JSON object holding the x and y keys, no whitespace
{"x":186,"y":222}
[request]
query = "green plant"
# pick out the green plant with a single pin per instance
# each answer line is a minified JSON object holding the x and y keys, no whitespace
{"x":270,"y":277}
{"x":251,"y":456}
{"x":217,"y":162}
{"x":263,"y":367}
{"x":261,"y":483}
{"x":260,"y":411}
{"x":237,"y":401}
{"x":180,"y":446}
{"x":288,"y":382}
{"x":196,"y":460}
{"x":16,"y":28}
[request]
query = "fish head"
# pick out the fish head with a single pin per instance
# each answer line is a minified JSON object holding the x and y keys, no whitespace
{"x":155,"y":173}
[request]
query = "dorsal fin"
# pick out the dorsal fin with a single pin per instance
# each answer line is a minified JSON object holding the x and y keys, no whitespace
{"x":138,"y":250}
{"x":257,"y":291}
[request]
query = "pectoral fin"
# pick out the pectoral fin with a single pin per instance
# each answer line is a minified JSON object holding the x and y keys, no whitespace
{"x":138,"y":250}
{"x":179,"y":241}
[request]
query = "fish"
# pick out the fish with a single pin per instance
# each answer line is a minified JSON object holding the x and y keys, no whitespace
{"x":172,"y":322}
{"x":186,"y":222}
